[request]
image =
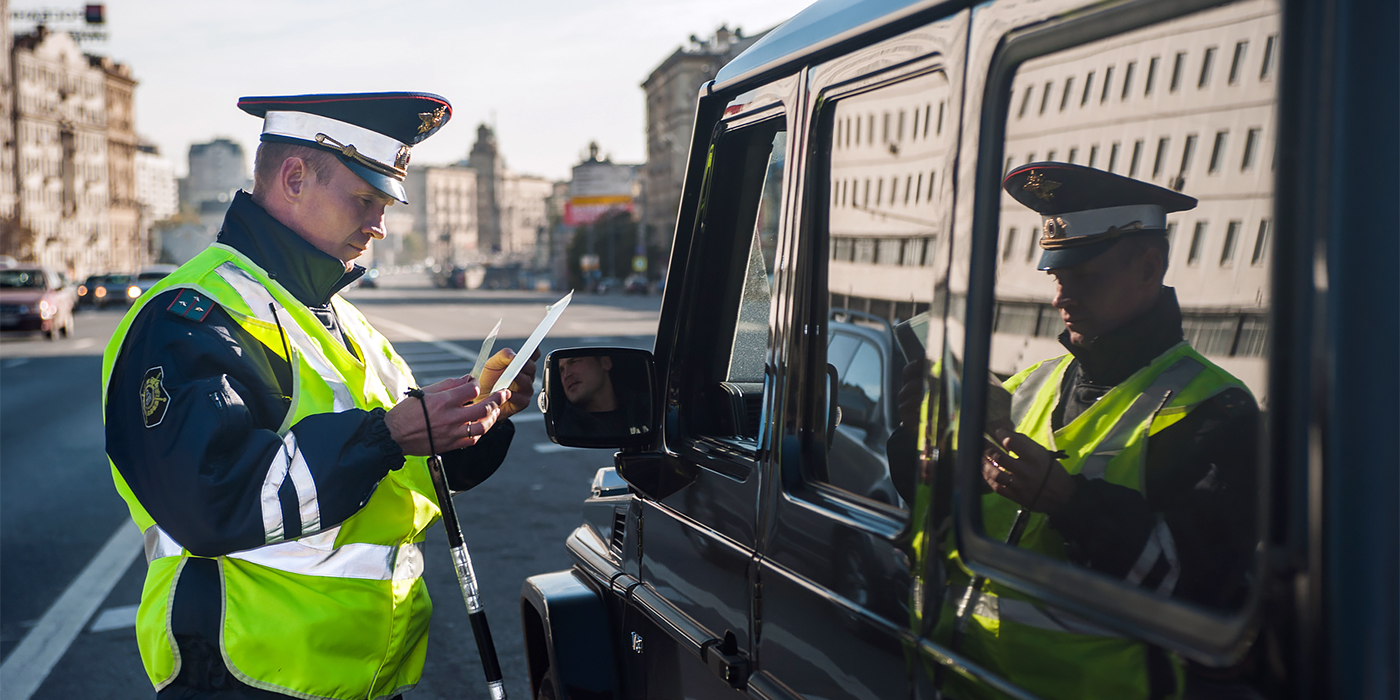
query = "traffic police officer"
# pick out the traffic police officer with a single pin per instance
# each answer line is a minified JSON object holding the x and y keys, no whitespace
{"x":255,"y":429}
{"x":1133,"y":454}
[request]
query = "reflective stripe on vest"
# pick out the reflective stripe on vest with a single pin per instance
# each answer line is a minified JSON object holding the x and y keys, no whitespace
{"x":316,"y":555}
{"x":989,"y":606}
{"x":289,"y":462}
{"x":1025,"y":394}
{"x":261,"y":303}
{"x":1145,"y":406}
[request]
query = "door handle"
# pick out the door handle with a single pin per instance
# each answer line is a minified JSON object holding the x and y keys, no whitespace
{"x":725,"y":660}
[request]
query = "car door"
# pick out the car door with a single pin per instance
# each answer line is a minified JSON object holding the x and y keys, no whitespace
{"x":699,"y":542}
{"x":835,"y":577}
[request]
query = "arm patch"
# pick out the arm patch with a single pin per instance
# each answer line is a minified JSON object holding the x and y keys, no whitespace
{"x":192,"y":305}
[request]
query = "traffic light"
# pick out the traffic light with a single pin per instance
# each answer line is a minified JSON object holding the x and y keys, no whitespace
{"x":94,"y":14}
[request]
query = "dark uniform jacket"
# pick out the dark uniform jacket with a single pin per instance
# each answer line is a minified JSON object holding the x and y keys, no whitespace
{"x":199,"y":471}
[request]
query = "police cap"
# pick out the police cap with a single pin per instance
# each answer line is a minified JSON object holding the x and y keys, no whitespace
{"x":372,"y":133}
{"x":1084,"y":211}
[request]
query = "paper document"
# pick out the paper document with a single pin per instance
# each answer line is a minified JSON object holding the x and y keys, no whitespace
{"x":486,"y":347}
{"x":523,"y":356}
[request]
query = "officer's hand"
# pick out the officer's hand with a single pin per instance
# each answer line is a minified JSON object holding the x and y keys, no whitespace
{"x":521,"y":389}
{"x":911,"y":392}
{"x":456,"y":421}
{"x":1019,"y":478}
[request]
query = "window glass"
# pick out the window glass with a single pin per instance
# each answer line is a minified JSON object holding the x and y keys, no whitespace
{"x":1136,"y":386}
{"x":878,"y":299}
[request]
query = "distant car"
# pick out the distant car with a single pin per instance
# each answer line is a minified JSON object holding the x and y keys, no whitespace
{"x":145,"y":279}
{"x":86,"y":291}
{"x":34,"y":299}
{"x":110,"y":289}
{"x":635,"y":284}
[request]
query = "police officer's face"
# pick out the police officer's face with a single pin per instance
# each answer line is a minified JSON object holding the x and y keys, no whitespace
{"x":341,"y":213}
{"x":583,"y":377}
{"x":1102,"y":294}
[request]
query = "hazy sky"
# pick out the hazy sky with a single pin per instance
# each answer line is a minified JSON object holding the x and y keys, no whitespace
{"x":555,"y":73}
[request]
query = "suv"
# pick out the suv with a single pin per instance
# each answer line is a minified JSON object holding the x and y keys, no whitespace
{"x":35,"y":299}
{"x":776,"y":525}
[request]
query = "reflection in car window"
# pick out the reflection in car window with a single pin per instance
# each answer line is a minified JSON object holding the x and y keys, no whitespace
{"x":865,"y":376}
{"x":19,"y":279}
{"x":751,"y":332}
{"x":840,"y":351}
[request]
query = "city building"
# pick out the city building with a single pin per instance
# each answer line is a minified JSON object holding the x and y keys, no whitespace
{"x":441,"y":212}
{"x":61,"y":157}
{"x":671,"y":90}
{"x":511,"y":212}
{"x":128,"y":230}
{"x":217,"y":169}
{"x":157,"y":187}
{"x":9,"y":183}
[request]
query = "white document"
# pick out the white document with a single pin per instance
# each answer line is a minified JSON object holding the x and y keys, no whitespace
{"x":486,"y":347}
{"x":523,"y":356}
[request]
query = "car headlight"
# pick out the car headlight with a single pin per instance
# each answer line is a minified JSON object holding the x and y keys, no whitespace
{"x":82,"y":290}
{"x":133,"y":291}
{"x":100,"y":292}
{"x":47,"y":309}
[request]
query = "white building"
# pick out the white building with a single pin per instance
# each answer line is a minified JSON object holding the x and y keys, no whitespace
{"x":442,"y":211}
{"x":156,"y":185}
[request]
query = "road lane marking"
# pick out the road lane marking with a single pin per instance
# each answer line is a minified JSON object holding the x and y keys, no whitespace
{"x":420,"y":336}
{"x":40,"y":650}
{"x":545,"y":448}
{"x":84,"y":343}
{"x":120,"y":617}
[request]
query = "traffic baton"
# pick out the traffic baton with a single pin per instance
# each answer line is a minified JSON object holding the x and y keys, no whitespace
{"x":466,"y":577}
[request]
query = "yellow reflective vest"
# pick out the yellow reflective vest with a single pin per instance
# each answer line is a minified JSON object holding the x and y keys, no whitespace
{"x":1048,"y":651}
{"x":341,"y":612}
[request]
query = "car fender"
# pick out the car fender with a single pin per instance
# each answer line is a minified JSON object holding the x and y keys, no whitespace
{"x":568,"y":641}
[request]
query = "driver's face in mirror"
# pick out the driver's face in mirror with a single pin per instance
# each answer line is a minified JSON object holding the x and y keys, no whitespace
{"x":587,"y":383}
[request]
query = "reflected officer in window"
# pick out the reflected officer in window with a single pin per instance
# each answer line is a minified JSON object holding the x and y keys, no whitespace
{"x":1134,"y":455}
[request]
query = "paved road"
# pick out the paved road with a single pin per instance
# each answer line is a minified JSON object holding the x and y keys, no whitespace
{"x":58,"y":508}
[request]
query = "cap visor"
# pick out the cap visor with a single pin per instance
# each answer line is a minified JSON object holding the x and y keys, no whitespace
{"x":379,"y":181}
{"x":1078,"y":255}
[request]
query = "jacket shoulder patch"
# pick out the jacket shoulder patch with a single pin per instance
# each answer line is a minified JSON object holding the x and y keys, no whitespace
{"x":154,"y":398}
{"x":192,"y":305}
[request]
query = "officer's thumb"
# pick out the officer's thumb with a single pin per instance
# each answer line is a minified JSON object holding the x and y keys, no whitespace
{"x":499,"y":361}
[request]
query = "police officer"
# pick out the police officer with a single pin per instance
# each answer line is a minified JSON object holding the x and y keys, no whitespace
{"x":1132,"y":454}
{"x":258,"y":430}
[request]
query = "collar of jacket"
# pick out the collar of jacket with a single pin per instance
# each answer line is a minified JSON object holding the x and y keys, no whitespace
{"x":312,"y":276}
{"x":1117,"y":354}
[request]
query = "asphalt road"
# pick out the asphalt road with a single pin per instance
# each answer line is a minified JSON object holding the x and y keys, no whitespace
{"x":70,"y":570}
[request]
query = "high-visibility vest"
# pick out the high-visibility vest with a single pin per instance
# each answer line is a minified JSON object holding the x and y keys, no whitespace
{"x":342,"y":612}
{"x":1048,"y":651}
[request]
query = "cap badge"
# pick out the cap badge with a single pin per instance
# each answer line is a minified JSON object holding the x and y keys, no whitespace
{"x":1041,"y":187}
{"x":431,"y":120}
{"x":401,"y":160}
{"x":1053,"y":229}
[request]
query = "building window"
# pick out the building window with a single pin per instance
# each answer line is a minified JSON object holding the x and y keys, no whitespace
{"x":1217,"y":152}
{"x":1107,"y":83}
{"x":1266,"y":69}
{"x":1206,"y":62}
{"x":1171,"y":238}
{"x":1137,"y":159}
{"x":1177,"y":67}
{"x":1198,"y":239}
{"x":1251,"y":144}
{"x":1025,"y":100}
{"x":866,"y":202}
{"x":885,"y":131}
{"x":909,"y":187}
{"x":841,"y":249}
{"x":1151,"y":76}
{"x":1050,"y":155}
{"x":1128,"y":79}
{"x":1064,"y":96}
{"x":888,"y":251}
{"x":864,"y":250}
{"x":928,"y":109}
{"x":1261,"y":244}
{"x":918,"y":188}
{"x":1045,"y":96}
{"x":1010,"y":241}
{"x":1088,"y":88}
{"x":914,"y":132}
{"x":1187,"y":152}
{"x":930,"y":185}
{"x":1093,"y":155}
{"x":899,"y":130}
{"x":1232,"y":235}
{"x":879,"y":190}
{"x":1030,"y":245}
{"x":1237,"y":62}
{"x":1113,"y":157}
{"x":1161,"y":157}
{"x":1073,"y":154}
{"x":1030,"y":157}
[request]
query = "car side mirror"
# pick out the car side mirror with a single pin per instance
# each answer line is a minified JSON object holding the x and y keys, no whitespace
{"x":600,"y":397}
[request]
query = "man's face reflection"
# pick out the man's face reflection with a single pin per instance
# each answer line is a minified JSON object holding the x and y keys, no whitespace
{"x":587,"y":384}
{"x":1102,"y":294}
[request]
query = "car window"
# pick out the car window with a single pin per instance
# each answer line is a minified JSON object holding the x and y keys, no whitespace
{"x":723,"y":370}
{"x":1113,"y":457}
{"x":22,"y":279}
{"x":151,"y":276}
{"x":886,"y":170}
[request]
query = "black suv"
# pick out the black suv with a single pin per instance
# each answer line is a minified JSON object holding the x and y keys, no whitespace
{"x":777,"y":523}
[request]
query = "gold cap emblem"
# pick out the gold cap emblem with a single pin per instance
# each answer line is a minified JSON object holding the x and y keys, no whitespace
{"x":1041,"y":187}
{"x":401,"y":160}
{"x":431,"y":120}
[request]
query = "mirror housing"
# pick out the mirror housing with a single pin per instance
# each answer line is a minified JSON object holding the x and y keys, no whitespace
{"x":614,"y":397}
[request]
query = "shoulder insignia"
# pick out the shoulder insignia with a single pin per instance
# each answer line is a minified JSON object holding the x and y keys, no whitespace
{"x":192,"y":305}
{"x":154,"y":398}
